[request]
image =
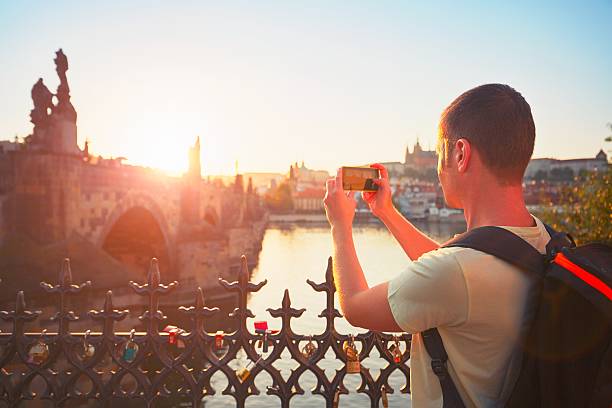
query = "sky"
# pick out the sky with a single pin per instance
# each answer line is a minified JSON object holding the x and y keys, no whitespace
{"x":333,"y":83}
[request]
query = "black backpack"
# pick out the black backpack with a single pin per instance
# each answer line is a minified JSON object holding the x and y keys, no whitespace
{"x":567,"y":359}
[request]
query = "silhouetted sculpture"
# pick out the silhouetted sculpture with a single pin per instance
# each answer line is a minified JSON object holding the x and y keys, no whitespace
{"x":55,"y":132}
{"x":61,"y":65}
{"x":64,"y":106}
{"x":43,"y":101}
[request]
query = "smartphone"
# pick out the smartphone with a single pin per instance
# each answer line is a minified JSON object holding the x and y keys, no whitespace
{"x":359,"y":178}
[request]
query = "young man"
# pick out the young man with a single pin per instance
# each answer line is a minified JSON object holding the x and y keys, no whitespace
{"x":480,"y":304}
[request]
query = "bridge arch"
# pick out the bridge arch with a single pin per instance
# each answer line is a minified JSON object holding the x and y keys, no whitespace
{"x":137,"y":230}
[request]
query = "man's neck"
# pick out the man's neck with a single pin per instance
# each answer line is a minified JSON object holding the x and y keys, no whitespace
{"x":497,"y":205}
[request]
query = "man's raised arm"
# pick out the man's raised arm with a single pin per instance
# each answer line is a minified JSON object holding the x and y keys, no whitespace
{"x":413,"y":241}
{"x":361,"y":305}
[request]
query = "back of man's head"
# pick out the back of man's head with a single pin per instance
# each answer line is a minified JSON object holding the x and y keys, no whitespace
{"x":497,"y":122}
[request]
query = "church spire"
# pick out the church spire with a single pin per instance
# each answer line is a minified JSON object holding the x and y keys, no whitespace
{"x":86,"y":150}
{"x":417,"y":146}
{"x":195,"y":167}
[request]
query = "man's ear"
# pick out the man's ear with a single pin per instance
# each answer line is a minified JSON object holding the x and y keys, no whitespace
{"x":463,"y":154}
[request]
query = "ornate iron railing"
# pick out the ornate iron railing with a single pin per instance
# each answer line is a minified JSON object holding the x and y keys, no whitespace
{"x":181,"y":364}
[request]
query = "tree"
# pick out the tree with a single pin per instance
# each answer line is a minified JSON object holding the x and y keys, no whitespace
{"x":562,"y":174}
{"x":279,"y":199}
{"x":585,"y":209}
{"x":540,"y":175}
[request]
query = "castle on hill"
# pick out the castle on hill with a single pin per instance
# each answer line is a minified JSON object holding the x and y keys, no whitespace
{"x":418,"y":159}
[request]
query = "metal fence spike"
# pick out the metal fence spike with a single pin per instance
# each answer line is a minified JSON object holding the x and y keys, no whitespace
{"x":154,"y":275}
{"x":65,"y":278}
{"x":20,"y":304}
{"x":199,"y":301}
{"x":108,"y":301}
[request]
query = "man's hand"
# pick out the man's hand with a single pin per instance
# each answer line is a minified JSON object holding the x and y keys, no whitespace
{"x":379,"y":201}
{"x":339,"y":205}
{"x":361,"y":305}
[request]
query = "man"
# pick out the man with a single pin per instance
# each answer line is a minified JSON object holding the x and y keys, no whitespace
{"x":479,"y":303}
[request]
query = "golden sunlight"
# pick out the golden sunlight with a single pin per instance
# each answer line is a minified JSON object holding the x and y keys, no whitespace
{"x":168,"y":156}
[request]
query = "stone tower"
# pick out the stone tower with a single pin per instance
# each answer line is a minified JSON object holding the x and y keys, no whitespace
{"x":190,"y":194}
{"x":45,"y":205}
{"x":195,"y":167}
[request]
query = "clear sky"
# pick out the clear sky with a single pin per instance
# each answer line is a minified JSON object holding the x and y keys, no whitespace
{"x":331,"y":83}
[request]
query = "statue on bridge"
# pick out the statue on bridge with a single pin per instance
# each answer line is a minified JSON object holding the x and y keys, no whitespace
{"x":56,"y":131}
{"x":61,"y":66}
{"x":64,"y":107}
{"x":43,"y":101}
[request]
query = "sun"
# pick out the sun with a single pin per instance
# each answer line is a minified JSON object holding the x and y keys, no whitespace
{"x":170,"y":157}
{"x":162,"y":140}
{"x":162,"y":144}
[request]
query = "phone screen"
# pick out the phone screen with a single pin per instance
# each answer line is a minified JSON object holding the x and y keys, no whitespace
{"x":359,"y":178}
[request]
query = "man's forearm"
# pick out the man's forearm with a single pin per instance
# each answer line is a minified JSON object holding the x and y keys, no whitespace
{"x":348,"y":275}
{"x":413,"y":241}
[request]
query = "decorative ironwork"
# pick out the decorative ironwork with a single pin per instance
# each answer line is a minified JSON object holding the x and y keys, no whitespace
{"x":182,"y":366}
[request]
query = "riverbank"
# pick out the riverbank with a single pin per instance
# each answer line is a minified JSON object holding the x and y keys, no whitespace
{"x":360,"y":218}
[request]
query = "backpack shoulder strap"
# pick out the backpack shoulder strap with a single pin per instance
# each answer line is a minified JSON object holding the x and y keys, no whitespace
{"x":504,"y":245}
{"x":551,"y":231}
{"x":437,"y":353}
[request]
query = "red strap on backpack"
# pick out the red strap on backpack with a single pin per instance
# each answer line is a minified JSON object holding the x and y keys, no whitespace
{"x":583,"y":275}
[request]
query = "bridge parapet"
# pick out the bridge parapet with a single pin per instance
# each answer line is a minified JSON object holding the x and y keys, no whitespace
{"x":176,"y":366}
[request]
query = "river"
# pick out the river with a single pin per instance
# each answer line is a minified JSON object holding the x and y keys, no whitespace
{"x":292,"y":254}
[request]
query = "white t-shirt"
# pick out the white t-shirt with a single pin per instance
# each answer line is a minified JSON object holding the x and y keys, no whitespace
{"x":479,"y":304}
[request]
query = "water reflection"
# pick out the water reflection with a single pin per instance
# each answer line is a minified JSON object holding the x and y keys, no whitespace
{"x":289,"y":256}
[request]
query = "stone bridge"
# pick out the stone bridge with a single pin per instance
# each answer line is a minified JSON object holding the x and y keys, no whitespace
{"x":57,"y":200}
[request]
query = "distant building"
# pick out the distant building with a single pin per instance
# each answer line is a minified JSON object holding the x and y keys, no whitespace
{"x":305,"y":178}
{"x":418,"y":159}
{"x":310,"y":199}
{"x":395,"y":169}
{"x":546,"y":165}
{"x":9,"y":146}
{"x":262,"y":182}
{"x":415,"y":200}
{"x":307,"y":187}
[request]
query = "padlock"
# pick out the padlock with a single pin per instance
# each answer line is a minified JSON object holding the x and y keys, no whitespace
{"x":174,"y":336}
{"x":261,"y":328}
{"x":219,"y":339}
{"x":129,"y":352}
{"x":265,"y":342}
{"x":39,"y":352}
{"x":383,"y":397}
{"x":309,"y":349}
{"x":244,"y":372}
{"x":87,"y":349}
{"x":395,"y":350}
{"x":353,"y":366}
{"x":130,"y":349}
{"x":172,"y":331}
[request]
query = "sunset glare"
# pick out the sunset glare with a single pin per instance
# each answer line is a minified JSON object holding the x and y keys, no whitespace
{"x":270,"y":83}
